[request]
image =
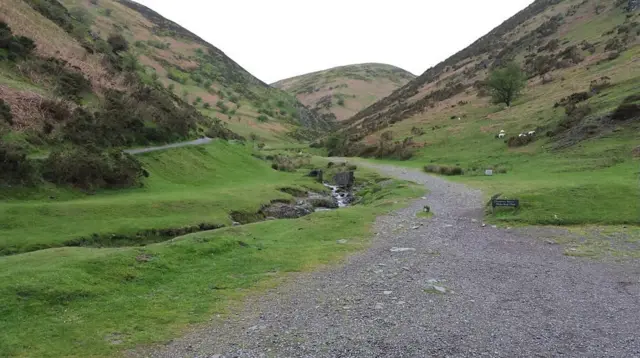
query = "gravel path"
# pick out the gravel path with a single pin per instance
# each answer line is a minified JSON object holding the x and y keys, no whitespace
{"x":507,"y":293}
{"x":199,"y":141}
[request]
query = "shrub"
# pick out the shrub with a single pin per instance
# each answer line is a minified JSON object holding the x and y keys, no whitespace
{"x":573,"y":99}
{"x":596,"y":86}
{"x":340,"y":101}
{"x":630,"y":108}
{"x":443,"y":169}
{"x":17,"y":47}
{"x":15,"y":167}
{"x":90,"y":169}
{"x":262,"y":118}
{"x":206,"y":105}
{"x":5,"y":112}
{"x":69,"y":84}
{"x":417,"y":131}
{"x":118,"y":43}
{"x":285,"y":163}
{"x":519,"y":141}
{"x":54,"y":110}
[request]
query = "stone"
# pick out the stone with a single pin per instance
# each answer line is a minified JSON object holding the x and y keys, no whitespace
{"x":379,"y":306}
{"x":235,"y":223}
{"x":488,"y":172}
{"x":483,"y":224}
{"x":494,"y":226}
{"x":440,"y":289}
{"x":402,"y":249}
{"x":474,"y":220}
{"x":387,"y":292}
{"x":432,"y":281}
{"x":448,"y":225}
{"x":342,"y":241}
{"x":415,"y":227}
{"x":287,"y":211}
{"x":344,"y":179}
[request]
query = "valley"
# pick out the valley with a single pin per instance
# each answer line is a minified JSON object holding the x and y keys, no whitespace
{"x":158,"y":200}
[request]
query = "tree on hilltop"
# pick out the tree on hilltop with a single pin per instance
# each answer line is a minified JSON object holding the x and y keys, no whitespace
{"x":506,"y":83}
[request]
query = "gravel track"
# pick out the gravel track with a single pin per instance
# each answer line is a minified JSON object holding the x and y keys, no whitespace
{"x":508,"y":293}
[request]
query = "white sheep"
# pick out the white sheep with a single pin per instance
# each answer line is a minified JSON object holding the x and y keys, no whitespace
{"x":522,"y":135}
{"x":501,"y":135}
{"x":502,"y":131}
{"x":532,"y":132}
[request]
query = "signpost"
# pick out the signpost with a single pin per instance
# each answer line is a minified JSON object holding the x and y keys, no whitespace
{"x":505,"y":203}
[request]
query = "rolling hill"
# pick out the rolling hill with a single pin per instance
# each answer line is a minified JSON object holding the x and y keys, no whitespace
{"x":344,"y":91}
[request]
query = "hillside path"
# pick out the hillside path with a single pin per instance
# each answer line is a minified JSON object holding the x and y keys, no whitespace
{"x":509,"y":293}
{"x":199,"y":141}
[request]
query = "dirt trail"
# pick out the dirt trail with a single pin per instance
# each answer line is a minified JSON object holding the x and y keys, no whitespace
{"x":507,"y":293}
{"x":199,"y":141}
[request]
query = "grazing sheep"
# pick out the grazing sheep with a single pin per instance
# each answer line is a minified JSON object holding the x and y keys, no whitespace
{"x":532,"y":132}
{"x":502,"y":131}
{"x":522,"y":135}
{"x":501,"y":135}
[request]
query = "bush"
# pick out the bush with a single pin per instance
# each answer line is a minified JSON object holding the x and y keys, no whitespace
{"x":600,"y":84}
{"x":5,"y":112}
{"x":17,"y":47}
{"x":417,"y":131}
{"x":15,"y":167}
{"x":69,"y":84}
{"x":90,"y":169}
{"x":118,"y":43}
{"x":206,"y":105}
{"x":519,"y":141}
{"x":262,"y":118}
{"x":630,"y":108}
{"x":284,"y":163}
{"x":222,"y":106}
{"x":443,"y":169}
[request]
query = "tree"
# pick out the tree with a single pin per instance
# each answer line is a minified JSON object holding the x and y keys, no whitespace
{"x":506,"y":83}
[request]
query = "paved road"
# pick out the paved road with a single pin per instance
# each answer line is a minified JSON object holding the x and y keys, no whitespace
{"x":507,"y":293}
{"x":200,"y":141}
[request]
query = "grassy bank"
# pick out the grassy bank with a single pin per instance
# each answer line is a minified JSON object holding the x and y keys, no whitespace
{"x":553,"y":189}
{"x":187,"y":186}
{"x":96,"y":302}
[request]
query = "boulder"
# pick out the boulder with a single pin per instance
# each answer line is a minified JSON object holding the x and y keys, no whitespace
{"x":344,"y":179}
{"x":287,"y":211}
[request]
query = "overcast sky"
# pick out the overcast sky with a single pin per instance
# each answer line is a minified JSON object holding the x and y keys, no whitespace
{"x":277,"y":39}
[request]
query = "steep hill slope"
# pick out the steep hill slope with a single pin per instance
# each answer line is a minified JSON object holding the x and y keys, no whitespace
{"x":149,"y":50}
{"x":582,"y":100}
{"x":551,"y":39}
{"x":344,"y":91}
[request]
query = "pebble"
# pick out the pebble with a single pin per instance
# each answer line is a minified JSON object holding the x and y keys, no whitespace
{"x":379,"y":306}
{"x":343,"y":241}
{"x":402,"y":249}
{"x":388,"y":292}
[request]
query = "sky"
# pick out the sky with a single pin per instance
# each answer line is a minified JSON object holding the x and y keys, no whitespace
{"x":278,"y":39}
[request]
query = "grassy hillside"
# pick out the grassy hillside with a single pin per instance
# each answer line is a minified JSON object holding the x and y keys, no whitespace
{"x":95,"y":302}
{"x":151,"y":51}
{"x":580,"y":57}
{"x":344,"y":91}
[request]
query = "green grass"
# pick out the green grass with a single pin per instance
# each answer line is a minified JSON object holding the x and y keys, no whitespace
{"x":187,"y":186}
{"x":95,"y":302}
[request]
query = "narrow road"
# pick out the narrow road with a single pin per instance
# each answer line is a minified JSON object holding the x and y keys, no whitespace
{"x":507,"y":293}
{"x":199,"y":141}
